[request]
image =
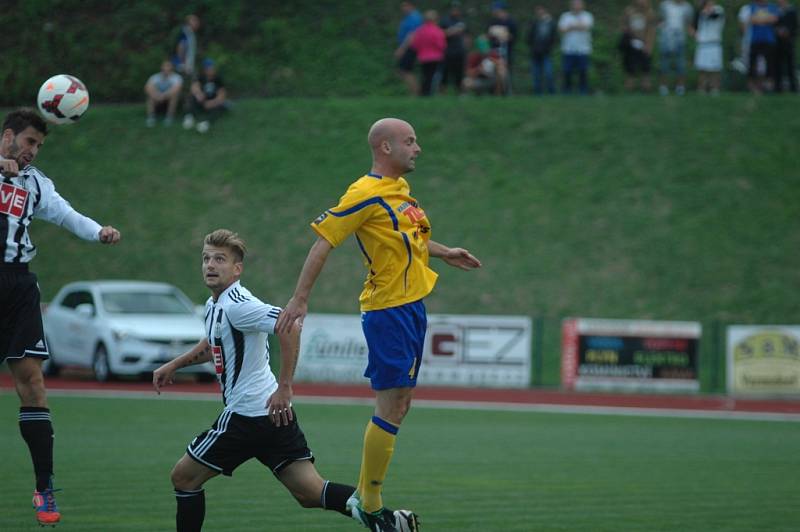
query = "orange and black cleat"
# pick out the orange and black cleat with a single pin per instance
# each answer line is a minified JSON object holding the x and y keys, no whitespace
{"x":44,"y":502}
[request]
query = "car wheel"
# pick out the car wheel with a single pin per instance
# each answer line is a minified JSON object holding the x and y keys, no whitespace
{"x":49,"y":366}
{"x":100,"y":365}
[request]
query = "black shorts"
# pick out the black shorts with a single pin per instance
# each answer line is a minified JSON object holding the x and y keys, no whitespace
{"x":635,"y":61}
{"x":21,"y":330}
{"x":234,"y":439}
{"x":407,"y":60}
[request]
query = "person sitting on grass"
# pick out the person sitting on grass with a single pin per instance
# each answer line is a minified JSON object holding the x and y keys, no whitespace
{"x":209,"y":98}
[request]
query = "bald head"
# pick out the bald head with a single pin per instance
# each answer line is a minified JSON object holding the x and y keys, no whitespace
{"x":394,"y":147}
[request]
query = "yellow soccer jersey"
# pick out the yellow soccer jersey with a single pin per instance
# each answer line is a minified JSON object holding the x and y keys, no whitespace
{"x":392,"y":232}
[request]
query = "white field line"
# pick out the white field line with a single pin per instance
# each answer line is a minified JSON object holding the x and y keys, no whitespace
{"x":456,"y":405}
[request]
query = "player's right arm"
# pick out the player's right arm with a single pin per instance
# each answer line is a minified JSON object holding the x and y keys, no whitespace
{"x":197,"y":355}
{"x":297,"y":307}
{"x":55,"y":209}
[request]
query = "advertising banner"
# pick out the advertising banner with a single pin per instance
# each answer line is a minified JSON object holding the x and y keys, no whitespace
{"x":764,"y":359}
{"x":460,"y":350}
{"x":632,"y":355}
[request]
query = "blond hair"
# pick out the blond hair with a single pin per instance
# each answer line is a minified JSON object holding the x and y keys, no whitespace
{"x":224,"y":238}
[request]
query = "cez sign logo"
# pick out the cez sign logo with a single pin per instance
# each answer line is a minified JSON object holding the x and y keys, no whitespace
{"x":12,"y":200}
{"x":475,"y":344}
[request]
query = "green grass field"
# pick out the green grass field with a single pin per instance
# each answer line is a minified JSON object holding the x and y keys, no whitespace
{"x":461,"y":470}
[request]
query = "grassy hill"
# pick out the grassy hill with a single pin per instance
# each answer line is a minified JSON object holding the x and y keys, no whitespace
{"x":298,"y":48}
{"x":635,"y":207}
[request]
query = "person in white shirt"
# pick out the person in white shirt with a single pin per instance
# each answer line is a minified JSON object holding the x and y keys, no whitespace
{"x":741,"y":63}
{"x":708,"y":53}
{"x":163,"y":90}
{"x":26,"y":193}
{"x":575,"y":27}
{"x":258,"y":420}
{"x":676,"y":19}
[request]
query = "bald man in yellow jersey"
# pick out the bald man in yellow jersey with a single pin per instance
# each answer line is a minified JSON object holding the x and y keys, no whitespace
{"x":393,"y":234}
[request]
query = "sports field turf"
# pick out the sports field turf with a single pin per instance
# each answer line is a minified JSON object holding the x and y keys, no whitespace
{"x":461,"y":470}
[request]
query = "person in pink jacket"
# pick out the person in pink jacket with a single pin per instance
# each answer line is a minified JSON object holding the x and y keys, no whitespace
{"x":429,"y":42}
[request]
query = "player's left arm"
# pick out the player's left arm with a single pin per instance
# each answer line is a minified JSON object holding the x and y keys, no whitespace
{"x":457,"y":257}
{"x":279,"y":405}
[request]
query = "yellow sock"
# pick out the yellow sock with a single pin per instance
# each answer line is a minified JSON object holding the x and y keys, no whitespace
{"x":378,"y":449}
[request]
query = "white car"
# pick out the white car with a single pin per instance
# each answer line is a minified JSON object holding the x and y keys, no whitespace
{"x":121,"y":328}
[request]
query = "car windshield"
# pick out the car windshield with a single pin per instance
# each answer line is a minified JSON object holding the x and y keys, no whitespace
{"x":145,"y":303}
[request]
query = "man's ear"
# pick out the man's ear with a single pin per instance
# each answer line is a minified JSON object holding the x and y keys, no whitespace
{"x":8,"y":135}
{"x":386,"y":146}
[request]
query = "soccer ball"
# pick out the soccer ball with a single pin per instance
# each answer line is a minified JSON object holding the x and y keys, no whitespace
{"x":63,"y":99}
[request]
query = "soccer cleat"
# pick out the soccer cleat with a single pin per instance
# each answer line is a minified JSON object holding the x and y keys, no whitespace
{"x":384,"y":520}
{"x":46,"y":508}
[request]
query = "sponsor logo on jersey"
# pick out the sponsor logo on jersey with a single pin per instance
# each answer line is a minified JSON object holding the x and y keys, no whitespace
{"x":413,"y":212}
{"x":12,"y":200}
{"x":219,"y":362}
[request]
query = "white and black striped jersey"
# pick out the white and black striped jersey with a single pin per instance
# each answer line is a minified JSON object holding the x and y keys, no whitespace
{"x":237,"y":325}
{"x":31,"y":194}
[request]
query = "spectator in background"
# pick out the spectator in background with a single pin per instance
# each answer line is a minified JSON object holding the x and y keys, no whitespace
{"x":502,"y":32}
{"x":404,"y":54}
{"x":575,"y":26}
{"x":676,"y":20}
{"x":708,"y":53}
{"x":186,"y":47}
{"x":542,"y":36}
{"x":185,"y":58}
{"x":163,"y":90}
{"x":429,"y":43}
{"x":741,"y":63}
{"x":486,"y":70}
{"x":763,"y":17}
{"x":209,"y":97}
{"x":455,"y":56}
{"x":636,"y":44}
{"x":786,"y":30}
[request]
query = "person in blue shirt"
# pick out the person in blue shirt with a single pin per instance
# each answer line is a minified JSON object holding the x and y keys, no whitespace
{"x":405,"y":55}
{"x":763,"y":16}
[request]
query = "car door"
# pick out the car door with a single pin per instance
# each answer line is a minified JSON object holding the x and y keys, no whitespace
{"x":75,"y":341}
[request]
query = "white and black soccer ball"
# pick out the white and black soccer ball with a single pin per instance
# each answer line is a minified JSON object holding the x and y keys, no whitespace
{"x":63,"y":99}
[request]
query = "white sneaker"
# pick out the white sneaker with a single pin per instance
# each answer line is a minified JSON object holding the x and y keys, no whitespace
{"x":680,"y":90}
{"x":150,"y":122}
{"x":663,"y":90}
{"x":203,"y":126}
{"x":188,"y":122}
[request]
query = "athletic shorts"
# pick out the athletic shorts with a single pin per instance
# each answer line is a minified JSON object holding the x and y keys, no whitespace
{"x":395,"y":338}
{"x":407,"y":60}
{"x":234,"y":439}
{"x":21,"y":330}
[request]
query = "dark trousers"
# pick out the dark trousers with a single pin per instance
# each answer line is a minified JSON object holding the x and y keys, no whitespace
{"x":429,"y":75}
{"x":785,"y":66}
{"x":573,"y":64}
{"x":542,"y":70}
{"x":453,"y":71}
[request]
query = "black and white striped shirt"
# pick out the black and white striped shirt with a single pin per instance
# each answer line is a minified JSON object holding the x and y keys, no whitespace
{"x":237,"y":325}
{"x":31,"y":194}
